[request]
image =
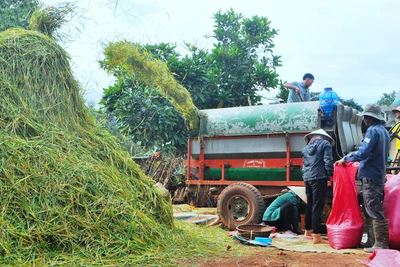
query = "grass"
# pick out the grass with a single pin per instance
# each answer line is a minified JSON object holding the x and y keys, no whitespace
{"x":184,"y":245}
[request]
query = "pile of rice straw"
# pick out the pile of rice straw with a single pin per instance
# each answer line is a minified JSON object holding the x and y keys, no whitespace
{"x":66,"y":185}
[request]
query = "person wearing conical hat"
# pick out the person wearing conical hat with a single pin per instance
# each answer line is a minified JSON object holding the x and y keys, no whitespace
{"x":317,"y":169}
{"x":283,"y":212}
{"x":395,"y":134}
{"x":372,"y":156}
{"x":396,"y":112}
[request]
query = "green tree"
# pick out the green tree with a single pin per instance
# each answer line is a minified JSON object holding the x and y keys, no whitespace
{"x":240,"y":64}
{"x":284,"y":94}
{"x":16,"y":13}
{"x":314,"y":96}
{"x":231,"y":74}
{"x":351,"y":103}
{"x":387,"y":99}
{"x":194,"y":71}
{"x":243,"y":58}
{"x":146,"y":119}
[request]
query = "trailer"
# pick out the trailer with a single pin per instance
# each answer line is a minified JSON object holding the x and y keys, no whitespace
{"x":244,"y":156}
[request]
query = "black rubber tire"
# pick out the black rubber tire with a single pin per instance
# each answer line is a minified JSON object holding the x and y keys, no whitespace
{"x":240,"y":203}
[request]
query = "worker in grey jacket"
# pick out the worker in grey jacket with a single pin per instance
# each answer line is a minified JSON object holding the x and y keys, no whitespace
{"x":372,"y":155}
{"x":317,"y":169}
{"x":300,"y":91}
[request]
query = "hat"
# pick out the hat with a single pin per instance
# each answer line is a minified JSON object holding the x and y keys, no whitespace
{"x":300,"y":191}
{"x":396,"y":109}
{"x":307,"y":137}
{"x":374,"y":111}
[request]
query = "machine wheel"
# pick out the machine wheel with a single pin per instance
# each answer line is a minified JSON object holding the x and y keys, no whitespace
{"x":240,"y":203}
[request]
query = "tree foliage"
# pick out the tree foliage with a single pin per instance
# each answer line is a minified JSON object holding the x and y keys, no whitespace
{"x":351,"y":103}
{"x":387,"y":98}
{"x":144,"y":69}
{"x":16,"y":13}
{"x":240,"y":64}
{"x":144,"y":116}
{"x":193,"y":71}
{"x":146,"y":101}
{"x":284,"y":94}
{"x":243,"y":56}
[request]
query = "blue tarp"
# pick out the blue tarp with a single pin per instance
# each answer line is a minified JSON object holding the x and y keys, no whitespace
{"x":263,"y":242}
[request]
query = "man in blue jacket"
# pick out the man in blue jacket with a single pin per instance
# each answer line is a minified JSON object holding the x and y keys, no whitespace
{"x":372,"y":155}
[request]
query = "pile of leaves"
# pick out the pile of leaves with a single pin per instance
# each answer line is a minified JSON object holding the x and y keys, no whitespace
{"x":66,"y":184}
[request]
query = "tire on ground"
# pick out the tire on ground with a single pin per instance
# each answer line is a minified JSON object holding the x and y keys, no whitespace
{"x":240,"y":203}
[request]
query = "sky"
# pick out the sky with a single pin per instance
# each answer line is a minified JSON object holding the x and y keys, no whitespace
{"x":351,"y":46}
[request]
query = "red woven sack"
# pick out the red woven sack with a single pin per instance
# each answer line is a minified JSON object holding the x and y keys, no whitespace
{"x":391,"y":208}
{"x":345,"y":222}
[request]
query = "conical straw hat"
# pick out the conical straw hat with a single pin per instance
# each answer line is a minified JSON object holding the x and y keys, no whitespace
{"x":300,"y":191}
{"x":307,"y":137}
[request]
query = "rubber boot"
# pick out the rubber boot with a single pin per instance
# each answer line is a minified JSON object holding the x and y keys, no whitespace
{"x":370,"y":233}
{"x":381,"y":232}
{"x":316,"y":238}
{"x":307,"y":233}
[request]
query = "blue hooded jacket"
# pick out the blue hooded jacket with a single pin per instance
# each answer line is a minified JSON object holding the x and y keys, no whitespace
{"x":318,"y":160}
{"x":372,"y":154}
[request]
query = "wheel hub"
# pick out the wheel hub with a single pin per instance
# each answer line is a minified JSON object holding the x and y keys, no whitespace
{"x":239,"y":208}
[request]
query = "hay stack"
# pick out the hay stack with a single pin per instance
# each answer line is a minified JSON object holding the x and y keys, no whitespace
{"x":65,"y":183}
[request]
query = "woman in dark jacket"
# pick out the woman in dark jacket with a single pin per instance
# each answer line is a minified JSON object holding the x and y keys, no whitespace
{"x":318,"y":168}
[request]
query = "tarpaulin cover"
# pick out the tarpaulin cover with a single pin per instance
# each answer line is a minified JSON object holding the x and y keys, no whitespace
{"x":345,"y":222}
{"x":391,"y":208}
{"x":383,"y":258}
{"x":264,"y":243}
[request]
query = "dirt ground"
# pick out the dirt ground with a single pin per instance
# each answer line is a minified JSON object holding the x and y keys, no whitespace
{"x":244,"y":256}
{"x":273,"y":257}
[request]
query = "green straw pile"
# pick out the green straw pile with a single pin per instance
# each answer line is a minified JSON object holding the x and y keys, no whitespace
{"x":66,"y":186}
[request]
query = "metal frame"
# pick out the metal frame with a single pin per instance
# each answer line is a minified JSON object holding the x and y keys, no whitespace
{"x":286,"y":162}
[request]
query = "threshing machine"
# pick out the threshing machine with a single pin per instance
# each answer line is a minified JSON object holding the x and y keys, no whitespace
{"x":242,"y":156}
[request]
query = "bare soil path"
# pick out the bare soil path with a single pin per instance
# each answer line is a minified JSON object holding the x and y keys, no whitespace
{"x":273,"y":257}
